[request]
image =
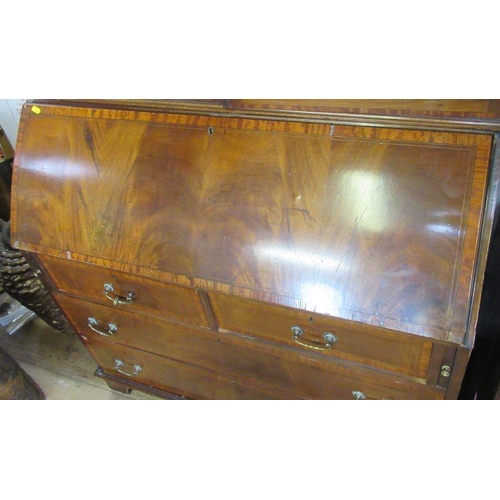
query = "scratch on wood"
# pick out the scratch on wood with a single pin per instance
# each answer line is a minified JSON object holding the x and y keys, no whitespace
{"x":349,"y":246}
{"x":303,"y":210}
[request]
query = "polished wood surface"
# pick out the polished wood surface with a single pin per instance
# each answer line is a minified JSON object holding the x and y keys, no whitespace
{"x":442,"y":107}
{"x":288,"y":377}
{"x":441,"y":114}
{"x":233,"y":224}
{"x":149,"y":297}
{"x":256,"y":362}
{"x":176,"y":377}
{"x":379,"y":226}
{"x":417,"y":107}
{"x":372,"y":346}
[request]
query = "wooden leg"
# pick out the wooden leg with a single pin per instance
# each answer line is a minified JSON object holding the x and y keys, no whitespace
{"x":113,"y":383}
{"x":117,"y":386}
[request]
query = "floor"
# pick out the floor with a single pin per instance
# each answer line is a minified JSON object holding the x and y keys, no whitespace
{"x":59,"y":364}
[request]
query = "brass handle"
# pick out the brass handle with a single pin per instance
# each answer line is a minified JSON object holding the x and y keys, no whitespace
{"x":92,"y":324}
{"x":313,"y":344}
{"x":109,"y":292}
{"x":359,"y":395}
{"x":118,"y":367}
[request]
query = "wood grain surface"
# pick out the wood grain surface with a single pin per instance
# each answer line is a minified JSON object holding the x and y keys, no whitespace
{"x":415,"y":107}
{"x":373,"y":346}
{"x":436,"y":114}
{"x":148,"y":297}
{"x":275,"y":375}
{"x":380,"y":226}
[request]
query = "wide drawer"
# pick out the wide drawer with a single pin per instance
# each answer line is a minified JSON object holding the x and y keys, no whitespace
{"x":123,"y":291}
{"x":172,"y":376}
{"x":252,"y":362}
{"x":314,"y":333}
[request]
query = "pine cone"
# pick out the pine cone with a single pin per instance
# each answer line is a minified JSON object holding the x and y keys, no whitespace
{"x":21,"y":281}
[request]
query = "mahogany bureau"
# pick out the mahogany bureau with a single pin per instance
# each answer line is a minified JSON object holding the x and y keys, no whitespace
{"x":273,"y":249}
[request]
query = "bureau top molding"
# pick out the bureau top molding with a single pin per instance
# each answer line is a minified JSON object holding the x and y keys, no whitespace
{"x":473,"y":115}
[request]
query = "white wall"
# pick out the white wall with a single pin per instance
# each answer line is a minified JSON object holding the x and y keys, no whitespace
{"x":9,"y":118}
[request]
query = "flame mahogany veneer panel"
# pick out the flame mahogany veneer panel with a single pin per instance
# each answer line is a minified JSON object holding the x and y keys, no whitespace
{"x":373,"y":225}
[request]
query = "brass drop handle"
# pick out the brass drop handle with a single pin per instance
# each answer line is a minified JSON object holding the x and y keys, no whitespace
{"x":109,"y":292}
{"x":313,"y":344}
{"x":93,"y":325}
{"x":120,"y":363}
{"x":359,"y":395}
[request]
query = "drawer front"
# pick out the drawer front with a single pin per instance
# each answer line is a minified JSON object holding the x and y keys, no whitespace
{"x":314,"y":333}
{"x":131,"y":293}
{"x":252,"y":362}
{"x":172,"y":340}
{"x":173,"y":376}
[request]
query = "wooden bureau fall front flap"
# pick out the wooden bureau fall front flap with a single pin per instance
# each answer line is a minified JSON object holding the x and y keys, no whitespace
{"x":240,"y":249}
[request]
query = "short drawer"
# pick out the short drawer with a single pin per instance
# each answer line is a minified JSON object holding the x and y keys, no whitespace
{"x":123,"y":291}
{"x":314,"y":333}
